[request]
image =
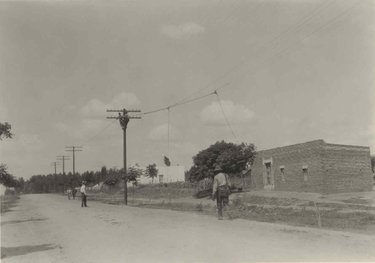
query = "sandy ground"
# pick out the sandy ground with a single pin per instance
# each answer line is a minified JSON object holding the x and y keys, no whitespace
{"x":51,"y":228}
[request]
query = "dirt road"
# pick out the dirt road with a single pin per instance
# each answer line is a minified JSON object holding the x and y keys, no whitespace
{"x":51,"y":228}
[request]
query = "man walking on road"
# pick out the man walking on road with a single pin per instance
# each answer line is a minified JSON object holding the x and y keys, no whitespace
{"x":83,"y":194}
{"x":220,"y":190}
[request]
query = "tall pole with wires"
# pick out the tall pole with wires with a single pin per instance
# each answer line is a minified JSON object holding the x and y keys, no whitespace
{"x":74,"y":149}
{"x":169,"y":113}
{"x":124,"y":119}
{"x":169,"y":158}
{"x":55,"y":164}
{"x":55,"y":183}
{"x":63,"y":158}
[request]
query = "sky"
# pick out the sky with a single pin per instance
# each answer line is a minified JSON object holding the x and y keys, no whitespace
{"x":285,"y":72}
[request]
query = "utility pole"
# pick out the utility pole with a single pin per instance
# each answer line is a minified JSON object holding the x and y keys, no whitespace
{"x":63,"y":158}
{"x":55,"y":164}
{"x":74,"y":149}
{"x":124,"y":118}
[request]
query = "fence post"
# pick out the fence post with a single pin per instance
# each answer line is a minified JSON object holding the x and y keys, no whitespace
{"x":318,"y":215}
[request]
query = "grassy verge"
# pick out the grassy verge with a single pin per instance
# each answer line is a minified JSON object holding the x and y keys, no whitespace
{"x":350,"y":215}
{"x":155,"y":191}
{"x":303,"y":213}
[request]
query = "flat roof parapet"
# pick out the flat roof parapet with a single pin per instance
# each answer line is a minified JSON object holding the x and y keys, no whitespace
{"x":303,"y":144}
{"x":319,"y":142}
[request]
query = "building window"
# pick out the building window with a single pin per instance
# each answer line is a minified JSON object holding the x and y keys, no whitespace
{"x":268,"y":173}
{"x":305,"y":172}
{"x":282,"y":173}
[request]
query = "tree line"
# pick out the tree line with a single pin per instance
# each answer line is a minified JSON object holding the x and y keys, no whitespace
{"x":232,"y":158}
{"x":57,"y":183}
{"x":6,"y":178}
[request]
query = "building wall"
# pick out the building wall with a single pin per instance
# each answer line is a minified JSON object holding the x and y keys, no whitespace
{"x":166,"y":174}
{"x":347,"y":168}
{"x":172,"y":173}
{"x":293,"y":159}
{"x":330,"y":168}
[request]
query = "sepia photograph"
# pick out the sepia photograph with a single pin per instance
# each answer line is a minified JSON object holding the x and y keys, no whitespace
{"x":173,"y":131}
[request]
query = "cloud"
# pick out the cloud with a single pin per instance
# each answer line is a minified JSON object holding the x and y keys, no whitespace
{"x":160,"y":133}
{"x":93,"y":115}
{"x":94,"y":108}
{"x":235,"y":113}
{"x":86,"y":127}
{"x":124,"y":99}
{"x":188,"y":148}
{"x":97,"y":108}
{"x":182,"y":31}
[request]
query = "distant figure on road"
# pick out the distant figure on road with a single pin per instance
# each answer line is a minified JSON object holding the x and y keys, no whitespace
{"x":74,"y":192}
{"x":83,"y":194}
{"x":69,"y":193}
{"x":220,"y":190}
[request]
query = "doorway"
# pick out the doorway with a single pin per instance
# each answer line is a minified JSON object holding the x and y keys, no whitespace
{"x":268,"y":176}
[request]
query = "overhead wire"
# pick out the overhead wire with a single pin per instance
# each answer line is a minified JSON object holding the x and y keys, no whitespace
{"x":234,"y":6}
{"x":100,"y":131}
{"x":278,"y":37}
{"x":280,"y":53}
{"x":289,"y":48}
{"x":297,"y":27}
{"x":276,"y":40}
{"x":273,"y":44}
{"x":179,"y":103}
{"x":225,"y":116}
{"x":169,"y":157}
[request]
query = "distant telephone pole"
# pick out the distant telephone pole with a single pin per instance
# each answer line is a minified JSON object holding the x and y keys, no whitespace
{"x":74,"y":149}
{"x":63,"y":158}
{"x":124,"y":118}
{"x":55,"y":164}
{"x":55,"y":183}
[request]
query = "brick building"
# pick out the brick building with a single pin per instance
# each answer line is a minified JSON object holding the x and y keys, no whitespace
{"x":313,"y":166}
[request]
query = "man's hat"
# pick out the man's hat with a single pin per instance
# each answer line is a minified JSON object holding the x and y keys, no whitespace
{"x":218,"y":169}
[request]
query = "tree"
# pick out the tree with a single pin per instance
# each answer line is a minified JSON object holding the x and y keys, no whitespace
{"x":167,"y":162}
{"x":113,"y":176}
{"x":21,"y":184}
{"x":151,"y":171}
{"x":5,"y":130}
{"x":88,"y":176}
{"x":103,"y":173}
{"x":134,"y":172}
{"x":232,"y":158}
{"x":112,"y":179}
{"x":6,"y":178}
{"x":373,"y":163}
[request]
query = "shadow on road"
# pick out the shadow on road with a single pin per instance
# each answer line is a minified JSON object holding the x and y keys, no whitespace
{"x":7,"y":252}
{"x":21,"y":221}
